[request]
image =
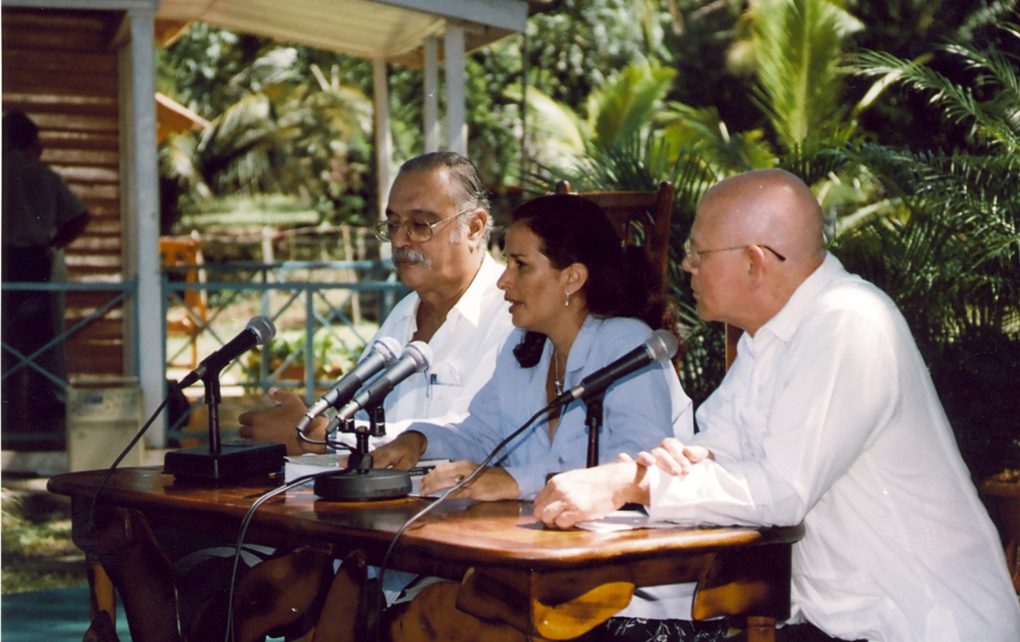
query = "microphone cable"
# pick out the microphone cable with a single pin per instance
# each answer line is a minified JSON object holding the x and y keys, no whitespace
{"x":243,"y":530}
{"x":120,"y":457}
{"x":380,"y":595}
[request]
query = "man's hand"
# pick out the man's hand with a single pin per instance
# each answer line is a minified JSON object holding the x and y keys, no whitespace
{"x":492,"y":484}
{"x":277,"y":423}
{"x":588,"y":493}
{"x":673,"y":457}
{"x":401,"y":453}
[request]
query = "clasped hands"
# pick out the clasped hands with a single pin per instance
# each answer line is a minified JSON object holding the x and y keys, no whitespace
{"x":589,"y":493}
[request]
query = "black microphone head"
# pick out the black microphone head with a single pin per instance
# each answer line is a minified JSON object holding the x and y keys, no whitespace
{"x":263,"y":328}
{"x":421,"y":353}
{"x":388,"y":348}
{"x":661,"y":345}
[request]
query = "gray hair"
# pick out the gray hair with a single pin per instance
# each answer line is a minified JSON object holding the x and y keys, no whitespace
{"x":473,"y":193}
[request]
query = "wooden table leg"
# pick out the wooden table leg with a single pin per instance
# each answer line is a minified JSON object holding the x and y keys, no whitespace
{"x":101,"y":594}
{"x":761,"y":629}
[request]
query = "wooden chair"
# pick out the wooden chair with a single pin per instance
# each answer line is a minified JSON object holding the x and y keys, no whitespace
{"x":190,"y":319}
{"x":640,"y":218}
{"x":653,"y":211}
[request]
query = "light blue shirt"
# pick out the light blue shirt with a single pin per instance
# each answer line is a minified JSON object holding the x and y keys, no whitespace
{"x":639,"y":410}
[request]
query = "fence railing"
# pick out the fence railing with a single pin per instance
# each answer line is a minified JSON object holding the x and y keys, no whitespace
{"x":325,"y":313}
{"x":43,"y":365}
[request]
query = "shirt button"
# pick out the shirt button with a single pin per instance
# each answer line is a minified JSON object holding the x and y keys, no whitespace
{"x":561,"y":460}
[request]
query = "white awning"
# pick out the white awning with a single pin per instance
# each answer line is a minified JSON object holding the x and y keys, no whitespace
{"x":390,"y":30}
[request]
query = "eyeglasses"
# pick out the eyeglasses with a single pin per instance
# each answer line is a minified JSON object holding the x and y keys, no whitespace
{"x":417,"y":231}
{"x":693,"y":257}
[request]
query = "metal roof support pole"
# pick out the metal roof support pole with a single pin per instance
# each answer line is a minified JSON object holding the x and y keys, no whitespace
{"x":141,"y":210}
{"x":453,"y":49}
{"x":383,"y":141}
{"x":430,"y":49}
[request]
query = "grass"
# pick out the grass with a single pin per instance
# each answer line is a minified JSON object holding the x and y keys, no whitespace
{"x":36,"y":545}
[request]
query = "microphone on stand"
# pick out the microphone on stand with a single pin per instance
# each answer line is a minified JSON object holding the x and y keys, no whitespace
{"x":259,"y":331}
{"x":221,"y":462}
{"x":381,"y":354}
{"x":660,"y":346}
{"x":359,"y":481}
{"x":416,"y":357}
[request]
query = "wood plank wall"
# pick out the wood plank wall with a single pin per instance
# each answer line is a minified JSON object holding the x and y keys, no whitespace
{"x":60,"y":67}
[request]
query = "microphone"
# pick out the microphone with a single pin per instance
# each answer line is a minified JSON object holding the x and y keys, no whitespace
{"x":381,"y":353}
{"x":661,"y":345}
{"x":259,"y":331}
{"x":416,"y":357}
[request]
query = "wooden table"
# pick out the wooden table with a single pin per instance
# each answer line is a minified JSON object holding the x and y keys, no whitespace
{"x":531,"y":577}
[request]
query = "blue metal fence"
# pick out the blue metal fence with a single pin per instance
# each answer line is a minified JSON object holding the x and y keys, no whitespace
{"x":322,"y":307}
{"x":320,"y":310}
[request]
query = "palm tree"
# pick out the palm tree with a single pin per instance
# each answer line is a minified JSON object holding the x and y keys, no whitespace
{"x":288,"y":126}
{"x":948,"y":248}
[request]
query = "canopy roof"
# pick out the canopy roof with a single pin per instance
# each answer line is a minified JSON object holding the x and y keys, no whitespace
{"x":390,"y":30}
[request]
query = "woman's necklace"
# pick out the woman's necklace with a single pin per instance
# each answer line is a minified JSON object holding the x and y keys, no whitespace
{"x":557,"y":379}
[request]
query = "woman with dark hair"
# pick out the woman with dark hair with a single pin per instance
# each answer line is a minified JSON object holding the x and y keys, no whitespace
{"x":578,"y":301}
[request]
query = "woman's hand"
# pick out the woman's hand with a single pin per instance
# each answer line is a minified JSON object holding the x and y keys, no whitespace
{"x":492,"y":484}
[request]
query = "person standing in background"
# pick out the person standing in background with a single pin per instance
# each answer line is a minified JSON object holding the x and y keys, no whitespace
{"x":41,"y":216}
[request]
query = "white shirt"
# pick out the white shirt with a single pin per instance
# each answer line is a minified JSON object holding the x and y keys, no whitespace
{"x":828,"y":416}
{"x":464,"y":352}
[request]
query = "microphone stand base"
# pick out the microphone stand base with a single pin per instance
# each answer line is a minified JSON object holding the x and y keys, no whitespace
{"x":235,"y":461}
{"x":370,"y":485}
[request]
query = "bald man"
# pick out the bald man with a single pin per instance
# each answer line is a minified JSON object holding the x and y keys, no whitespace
{"x":828,"y":417}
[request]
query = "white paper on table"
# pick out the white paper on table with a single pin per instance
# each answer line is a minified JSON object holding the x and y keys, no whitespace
{"x":624,"y":520}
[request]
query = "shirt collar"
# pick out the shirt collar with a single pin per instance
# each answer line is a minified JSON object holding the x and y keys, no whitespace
{"x":785,"y":323}
{"x":471,"y":303}
{"x":583,"y":343}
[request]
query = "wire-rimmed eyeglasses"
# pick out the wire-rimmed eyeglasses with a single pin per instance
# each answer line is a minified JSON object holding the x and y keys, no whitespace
{"x":693,"y":257}
{"x":417,"y":231}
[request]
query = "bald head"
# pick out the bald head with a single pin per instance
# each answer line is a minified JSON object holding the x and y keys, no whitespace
{"x":770,"y":206}
{"x":756,"y":237}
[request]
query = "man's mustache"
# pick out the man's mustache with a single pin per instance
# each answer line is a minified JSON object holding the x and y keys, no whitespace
{"x":407,"y":255}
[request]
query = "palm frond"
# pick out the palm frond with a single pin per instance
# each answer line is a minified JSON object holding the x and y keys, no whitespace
{"x":628,"y":100}
{"x":798,"y":47}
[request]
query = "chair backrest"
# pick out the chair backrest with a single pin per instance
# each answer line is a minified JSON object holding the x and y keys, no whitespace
{"x":186,"y":252}
{"x":640,"y":218}
{"x":653,"y":212}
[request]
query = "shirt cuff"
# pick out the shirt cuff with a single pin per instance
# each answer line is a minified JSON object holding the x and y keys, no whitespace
{"x":674,"y":498}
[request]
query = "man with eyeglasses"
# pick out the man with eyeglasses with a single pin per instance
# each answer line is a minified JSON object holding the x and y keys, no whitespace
{"x":828,"y":417}
{"x":437,"y":219}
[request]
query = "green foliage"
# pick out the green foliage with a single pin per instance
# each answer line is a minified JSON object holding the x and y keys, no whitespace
{"x":797,"y":46}
{"x":331,"y":354}
{"x":948,"y":247}
{"x":283,"y":121}
{"x":38,"y":552}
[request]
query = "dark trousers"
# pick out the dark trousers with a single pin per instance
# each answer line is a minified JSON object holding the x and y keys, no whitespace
{"x":31,"y":400}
